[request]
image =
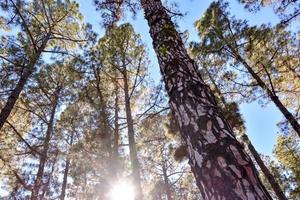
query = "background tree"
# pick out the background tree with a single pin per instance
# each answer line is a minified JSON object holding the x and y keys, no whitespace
{"x":288,"y":11}
{"x":45,"y":27}
{"x":242,"y":46}
{"x":201,"y":124}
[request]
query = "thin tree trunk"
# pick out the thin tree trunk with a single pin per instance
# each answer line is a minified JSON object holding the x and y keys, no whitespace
{"x":14,"y":95}
{"x":131,"y":139}
{"x":66,"y":172}
{"x":43,"y":157}
{"x":65,"y":180}
{"x":106,"y":131}
{"x":221,"y":167}
{"x":167,"y":184}
{"x":215,"y":85}
{"x":275,"y":186}
{"x":286,"y":113}
{"x":269,"y":176}
{"x":116,"y":134}
{"x":46,"y":187}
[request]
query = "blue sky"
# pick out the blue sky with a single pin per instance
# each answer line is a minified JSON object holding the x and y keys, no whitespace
{"x":260,"y":121}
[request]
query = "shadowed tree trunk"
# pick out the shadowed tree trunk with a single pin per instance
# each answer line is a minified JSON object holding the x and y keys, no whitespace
{"x":221,"y":167}
{"x":116,"y":133}
{"x":44,"y":154}
{"x":66,"y":172}
{"x":269,"y":176}
{"x":131,"y":139}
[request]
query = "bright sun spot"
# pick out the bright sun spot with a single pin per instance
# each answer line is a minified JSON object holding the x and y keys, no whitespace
{"x":123,"y":190}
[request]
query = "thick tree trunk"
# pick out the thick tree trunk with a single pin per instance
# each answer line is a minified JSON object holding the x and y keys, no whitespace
{"x":44,"y":154}
{"x":221,"y":167}
{"x":131,"y":139}
{"x":286,"y":113}
{"x":269,"y":176}
{"x":28,"y":70}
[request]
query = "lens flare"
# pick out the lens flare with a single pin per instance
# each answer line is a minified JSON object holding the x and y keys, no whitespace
{"x":122,"y":190}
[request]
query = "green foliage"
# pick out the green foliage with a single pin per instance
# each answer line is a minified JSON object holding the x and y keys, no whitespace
{"x":287,"y":151}
{"x":288,"y":11}
{"x":86,"y":96}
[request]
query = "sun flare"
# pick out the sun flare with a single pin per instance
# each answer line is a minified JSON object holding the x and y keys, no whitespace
{"x":122,"y":190}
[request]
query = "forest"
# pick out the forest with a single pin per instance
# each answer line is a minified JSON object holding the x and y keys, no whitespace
{"x":146,"y":100}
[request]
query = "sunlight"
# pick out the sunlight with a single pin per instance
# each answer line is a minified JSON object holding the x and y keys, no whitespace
{"x":122,"y":190}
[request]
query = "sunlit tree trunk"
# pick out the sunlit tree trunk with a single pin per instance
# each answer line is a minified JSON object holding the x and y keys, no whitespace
{"x":105,"y":131}
{"x":131,"y":139}
{"x":166,"y":181}
{"x":221,"y":167}
{"x":44,"y":154}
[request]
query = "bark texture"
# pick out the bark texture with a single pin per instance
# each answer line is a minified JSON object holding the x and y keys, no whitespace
{"x":220,"y":165}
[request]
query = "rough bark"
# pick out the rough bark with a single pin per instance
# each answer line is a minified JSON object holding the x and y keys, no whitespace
{"x":269,"y":176}
{"x":272,"y":95}
{"x":38,"y":183}
{"x":131,"y":139}
{"x":221,"y":167}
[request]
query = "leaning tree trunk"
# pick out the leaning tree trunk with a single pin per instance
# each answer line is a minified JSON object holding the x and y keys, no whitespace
{"x":11,"y":101}
{"x":44,"y":154}
{"x":245,"y":140}
{"x":221,"y":167}
{"x":272,"y":95}
{"x":269,"y":176}
{"x":14,"y":95}
{"x":131,"y":139}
